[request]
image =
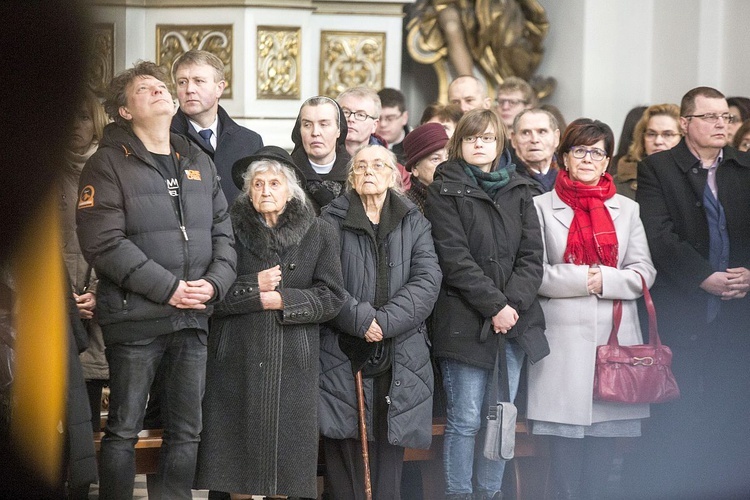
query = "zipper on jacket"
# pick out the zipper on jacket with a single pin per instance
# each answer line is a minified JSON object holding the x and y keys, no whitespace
{"x":178,"y":209}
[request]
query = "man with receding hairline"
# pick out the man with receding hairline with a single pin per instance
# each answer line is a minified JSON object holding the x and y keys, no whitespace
{"x":535,"y":138}
{"x":469,"y":93}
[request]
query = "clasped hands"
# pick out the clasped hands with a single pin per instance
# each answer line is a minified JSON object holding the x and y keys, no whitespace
{"x":504,"y":320}
{"x":733,"y":283}
{"x":192,"y":294}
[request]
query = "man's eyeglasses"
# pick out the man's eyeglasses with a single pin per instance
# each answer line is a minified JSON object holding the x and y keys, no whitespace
{"x":485,"y":138}
{"x":391,"y":118}
{"x":360,"y":116}
{"x":595,"y":153}
{"x":510,"y":102}
{"x":666,"y":135}
{"x":714,"y":117}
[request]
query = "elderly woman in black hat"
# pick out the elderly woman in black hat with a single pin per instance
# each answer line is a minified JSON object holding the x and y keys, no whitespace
{"x":260,"y":426}
{"x":424,"y":149}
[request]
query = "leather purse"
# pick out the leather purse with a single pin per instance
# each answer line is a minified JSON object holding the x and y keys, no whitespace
{"x":636,"y":373}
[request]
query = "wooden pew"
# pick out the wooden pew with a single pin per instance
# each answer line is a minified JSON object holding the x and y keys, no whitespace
{"x":529,"y":468}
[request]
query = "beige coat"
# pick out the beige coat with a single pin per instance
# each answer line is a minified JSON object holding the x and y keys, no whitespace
{"x":561,"y":385}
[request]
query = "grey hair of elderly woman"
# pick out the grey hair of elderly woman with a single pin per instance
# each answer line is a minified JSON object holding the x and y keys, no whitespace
{"x":390,"y":159}
{"x":276,"y":167}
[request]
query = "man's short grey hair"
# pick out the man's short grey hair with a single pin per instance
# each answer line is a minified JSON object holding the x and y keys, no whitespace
{"x":539,"y":111}
{"x":364,"y":92}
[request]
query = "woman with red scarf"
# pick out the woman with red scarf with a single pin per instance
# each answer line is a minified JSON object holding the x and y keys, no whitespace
{"x":595,"y":252}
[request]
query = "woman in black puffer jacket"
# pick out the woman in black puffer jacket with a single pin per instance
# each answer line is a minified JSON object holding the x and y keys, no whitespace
{"x":487,"y":236}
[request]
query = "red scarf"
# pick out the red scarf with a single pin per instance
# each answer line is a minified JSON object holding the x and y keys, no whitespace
{"x":592,"y":238}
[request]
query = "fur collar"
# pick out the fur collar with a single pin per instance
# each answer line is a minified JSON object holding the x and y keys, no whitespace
{"x":264,"y":241}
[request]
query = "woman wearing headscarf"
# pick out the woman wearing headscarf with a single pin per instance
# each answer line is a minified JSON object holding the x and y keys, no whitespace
{"x":260,"y":426}
{"x":319,"y":137}
{"x":595,"y":252}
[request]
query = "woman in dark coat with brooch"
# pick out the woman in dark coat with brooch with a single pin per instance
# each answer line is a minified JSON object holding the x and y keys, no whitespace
{"x":392,"y":275}
{"x":260,"y":426}
{"x":487,"y":237}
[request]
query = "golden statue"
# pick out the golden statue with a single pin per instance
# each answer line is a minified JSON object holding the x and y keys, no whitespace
{"x":500,"y":38}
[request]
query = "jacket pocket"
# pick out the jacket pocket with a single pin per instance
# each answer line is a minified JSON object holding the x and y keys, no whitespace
{"x":454,"y":317}
{"x":218,"y":340}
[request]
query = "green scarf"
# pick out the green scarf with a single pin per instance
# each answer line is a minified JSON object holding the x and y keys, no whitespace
{"x":490,"y":182}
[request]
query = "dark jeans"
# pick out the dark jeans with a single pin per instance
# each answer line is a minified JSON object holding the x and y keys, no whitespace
{"x":132,"y":368}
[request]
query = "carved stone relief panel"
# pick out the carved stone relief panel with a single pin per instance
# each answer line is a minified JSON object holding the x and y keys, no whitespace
{"x":173,"y":40}
{"x":102,"y":60}
{"x":278,"y":63}
{"x":351,"y":59}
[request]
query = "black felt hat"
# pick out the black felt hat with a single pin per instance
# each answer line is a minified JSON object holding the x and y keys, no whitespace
{"x":265,"y":153}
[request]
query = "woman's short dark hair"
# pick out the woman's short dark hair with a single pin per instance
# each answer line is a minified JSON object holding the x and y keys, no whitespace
{"x":475,"y":122}
{"x":586,"y":132}
{"x":116,"y":95}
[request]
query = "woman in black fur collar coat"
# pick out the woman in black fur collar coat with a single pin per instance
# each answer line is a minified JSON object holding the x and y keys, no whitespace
{"x":260,"y":425}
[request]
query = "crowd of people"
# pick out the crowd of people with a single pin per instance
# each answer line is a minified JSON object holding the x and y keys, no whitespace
{"x":258,"y":301}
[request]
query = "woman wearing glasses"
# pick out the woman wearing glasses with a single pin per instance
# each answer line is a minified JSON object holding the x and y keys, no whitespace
{"x":487,"y":236}
{"x":392,"y":275}
{"x":657,"y":130}
{"x":595,"y":252}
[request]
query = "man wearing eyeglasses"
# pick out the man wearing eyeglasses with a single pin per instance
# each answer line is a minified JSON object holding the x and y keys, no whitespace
{"x":394,"y":121}
{"x":513,"y":96}
{"x":361,"y":107}
{"x":695,"y":207}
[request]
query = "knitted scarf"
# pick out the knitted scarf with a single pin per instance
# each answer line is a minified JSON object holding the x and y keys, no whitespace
{"x":490,"y":182}
{"x":592,"y":238}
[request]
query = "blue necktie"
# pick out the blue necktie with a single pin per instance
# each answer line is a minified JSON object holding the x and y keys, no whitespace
{"x":206,"y":134}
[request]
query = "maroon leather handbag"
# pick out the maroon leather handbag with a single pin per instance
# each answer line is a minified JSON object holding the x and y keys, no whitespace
{"x":635,"y":373}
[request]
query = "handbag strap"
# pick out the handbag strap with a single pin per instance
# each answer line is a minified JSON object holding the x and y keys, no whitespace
{"x":494,"y":389}
{"x":653,"y":331}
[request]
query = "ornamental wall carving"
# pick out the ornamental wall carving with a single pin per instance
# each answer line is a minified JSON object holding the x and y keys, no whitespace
{"x":278,"y":63}
{"x":173,"y":40}
{"x":351,"y":59}
{"x":102,"y":57}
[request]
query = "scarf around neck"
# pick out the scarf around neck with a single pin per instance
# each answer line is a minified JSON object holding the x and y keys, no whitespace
{"x":592,"y":238}
{"x":490,"y":182}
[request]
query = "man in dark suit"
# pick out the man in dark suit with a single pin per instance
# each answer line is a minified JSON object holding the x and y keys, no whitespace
{"x":695,"y":207}
{"x":199,"y":80}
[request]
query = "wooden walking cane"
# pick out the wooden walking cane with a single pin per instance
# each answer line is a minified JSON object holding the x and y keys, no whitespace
{"x":363,"y":432}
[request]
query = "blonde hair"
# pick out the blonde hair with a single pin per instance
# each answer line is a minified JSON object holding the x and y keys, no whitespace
{"x":95,"y":109}
{"x":637,"y":149}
